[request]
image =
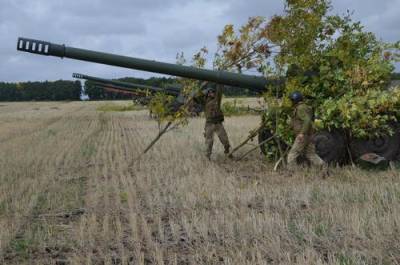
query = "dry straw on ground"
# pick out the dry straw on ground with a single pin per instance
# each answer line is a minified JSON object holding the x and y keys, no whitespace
{"x":72,"y":193}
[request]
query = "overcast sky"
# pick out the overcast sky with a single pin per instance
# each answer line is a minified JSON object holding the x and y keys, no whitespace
{"x":151,"y":29}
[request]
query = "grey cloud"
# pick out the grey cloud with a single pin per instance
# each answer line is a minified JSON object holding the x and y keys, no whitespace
{"x":241,"y":10}
{"x":381,"y":17}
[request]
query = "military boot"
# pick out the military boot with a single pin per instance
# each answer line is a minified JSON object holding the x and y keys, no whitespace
{"x":325,"y":172}
{"x":208,"y":155}
{"x":227,"y":152}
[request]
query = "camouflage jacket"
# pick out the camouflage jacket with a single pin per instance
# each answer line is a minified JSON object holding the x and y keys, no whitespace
{"x":212,"y":106}
{"x":302,"y":119}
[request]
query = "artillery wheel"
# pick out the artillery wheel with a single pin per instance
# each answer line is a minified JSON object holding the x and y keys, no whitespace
{"x":386,"y":146}
{"x":330,"y":146}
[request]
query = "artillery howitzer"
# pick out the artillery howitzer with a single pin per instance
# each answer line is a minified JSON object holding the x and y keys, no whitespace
{"x":332,"y":146}
{"x":128,"y":86}
{"x":140,"y":97}
{"x":141,"y":92}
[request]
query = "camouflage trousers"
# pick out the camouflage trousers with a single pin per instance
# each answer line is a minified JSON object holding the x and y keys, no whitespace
{"x":307,"y":148}
{"x":209,"y":131}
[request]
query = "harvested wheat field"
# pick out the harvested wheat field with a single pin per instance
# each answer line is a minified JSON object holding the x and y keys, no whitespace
{"x":72,"y":191}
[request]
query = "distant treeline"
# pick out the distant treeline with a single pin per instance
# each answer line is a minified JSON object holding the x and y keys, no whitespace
{"x":396,"y":76}
{"x":40,"y":91}
{"x":97,"y":93}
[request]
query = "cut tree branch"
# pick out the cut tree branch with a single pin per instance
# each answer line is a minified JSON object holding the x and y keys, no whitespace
{"x":254,"y":148}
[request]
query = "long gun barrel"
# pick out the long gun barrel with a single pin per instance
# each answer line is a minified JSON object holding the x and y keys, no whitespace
{"x":257,"y":83}
{"x":113,"y":88}
{"x":131,"y":88}
{"x":128,"y":86}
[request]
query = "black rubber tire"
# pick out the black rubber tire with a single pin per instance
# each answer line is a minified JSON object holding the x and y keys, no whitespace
{"x":386,"y":146}
{"x":331,"y":146}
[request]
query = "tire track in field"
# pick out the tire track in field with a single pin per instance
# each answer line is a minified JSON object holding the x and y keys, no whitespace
{"x":122,"y":249}
{"x":157,"y":243}
{"x":120,"y":244}
{"x":120,"y":227}
{"x":160,"y":225}
{"x":131,"y":150}
{"x":130,"y":244}
{"x":101,"y":189}
{"x":151,"y":227}
{"x":111,"y":236}
{"x":120,"y":219}
{"x":97,"y":230}
{"x":72,"y":170}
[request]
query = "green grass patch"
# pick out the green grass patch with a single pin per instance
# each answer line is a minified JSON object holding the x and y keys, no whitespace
{"x":345,"y":260}
{"x":317,"y":196}
{"x":123,"y":196}
{"x":119,"y":107}
{"x":237,"y":108}
{"x":51,"y":132}
{"x":88,"y":150}
{"x":3,"y":207}
{"x":22,"y":247}
{"x":296,"y":232}
{"x":321,"y":229}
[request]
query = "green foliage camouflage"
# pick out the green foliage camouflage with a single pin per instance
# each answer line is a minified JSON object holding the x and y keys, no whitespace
{"x":342,"y":70}
{"x":164,"y":109}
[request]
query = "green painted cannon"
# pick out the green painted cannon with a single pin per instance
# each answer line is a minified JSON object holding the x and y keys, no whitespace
{"x":142,"y":93}
{"x":128,"y":86}
{"x":140,"y":97}
{"x":257,"y":83}
{"x":333,"y":146}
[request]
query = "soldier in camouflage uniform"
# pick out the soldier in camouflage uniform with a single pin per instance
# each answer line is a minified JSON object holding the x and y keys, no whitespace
{"x":214,"y":118}
{"x":302,"y":120}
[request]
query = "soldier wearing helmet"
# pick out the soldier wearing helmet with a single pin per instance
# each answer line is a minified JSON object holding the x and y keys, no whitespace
{"x":302,"y":120}
{"x":211,"y":100}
